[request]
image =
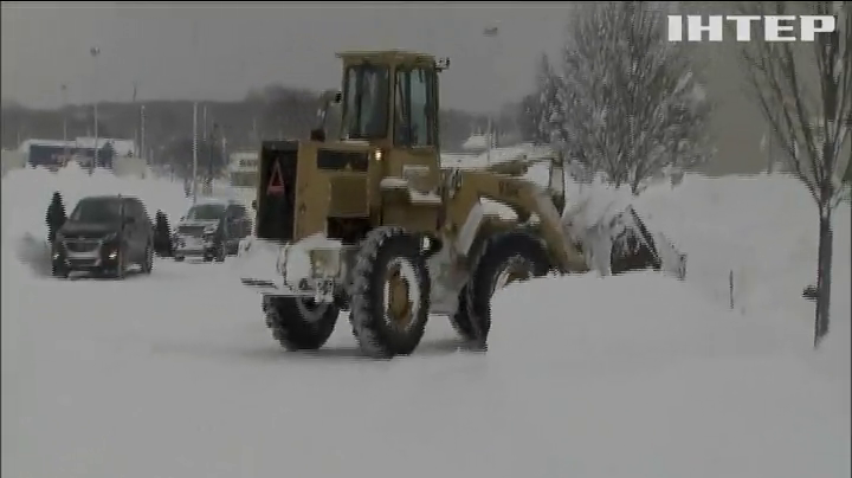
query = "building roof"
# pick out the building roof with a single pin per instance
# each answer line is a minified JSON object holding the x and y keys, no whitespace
{"x":476,"y":141}
{"x":122,"y":147}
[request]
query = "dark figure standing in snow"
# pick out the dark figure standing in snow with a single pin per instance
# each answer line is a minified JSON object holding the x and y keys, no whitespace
{"x":186,"y":187}
{"x":55,"y":216}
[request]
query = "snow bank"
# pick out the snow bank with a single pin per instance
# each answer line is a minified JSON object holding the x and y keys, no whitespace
{"x":608,"y":317}
{"x":26,"y":193}
{"x":639,"y":375}
{"x":761,"y":228}
{"x":636,"y":376}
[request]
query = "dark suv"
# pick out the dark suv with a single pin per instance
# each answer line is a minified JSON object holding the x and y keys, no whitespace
{"x":212,"y":230}
{"x":105,"y":235}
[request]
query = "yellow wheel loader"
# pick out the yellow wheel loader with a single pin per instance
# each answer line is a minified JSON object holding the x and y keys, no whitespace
{"x":366,"y":220}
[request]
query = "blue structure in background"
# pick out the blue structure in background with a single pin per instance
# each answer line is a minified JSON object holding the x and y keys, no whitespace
{"x":57,"y":155}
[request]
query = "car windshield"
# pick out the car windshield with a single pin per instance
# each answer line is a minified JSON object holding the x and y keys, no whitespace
{"x":97,"y":211}
{"x":206,"y":212}
{"x":365,"y":102}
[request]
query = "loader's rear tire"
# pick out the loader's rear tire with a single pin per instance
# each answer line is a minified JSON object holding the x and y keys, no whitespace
{"x":390,"y":293}
{"x":299,"y":324}
{"x":504,"y":258}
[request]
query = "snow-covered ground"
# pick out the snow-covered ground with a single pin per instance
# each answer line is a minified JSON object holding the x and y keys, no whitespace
{"x":175,"y":374}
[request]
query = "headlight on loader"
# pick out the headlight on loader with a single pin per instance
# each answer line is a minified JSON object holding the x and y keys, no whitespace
{"x":325,"y":262}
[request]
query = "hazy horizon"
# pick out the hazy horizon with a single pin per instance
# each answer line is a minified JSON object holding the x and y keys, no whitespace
{"x":220,"y":50}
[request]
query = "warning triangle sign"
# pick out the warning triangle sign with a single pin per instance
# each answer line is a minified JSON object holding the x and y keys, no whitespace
{"x":276,"y":181}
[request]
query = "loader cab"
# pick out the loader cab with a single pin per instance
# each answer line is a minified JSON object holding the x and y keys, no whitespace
{"x":390,"y":101}
{"x":390,"y":98}
{"x":388,"y":128}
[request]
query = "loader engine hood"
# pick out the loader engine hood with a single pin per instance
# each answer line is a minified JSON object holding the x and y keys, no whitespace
{"x":304,"y":185}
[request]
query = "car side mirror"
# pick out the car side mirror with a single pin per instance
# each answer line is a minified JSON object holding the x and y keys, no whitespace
{"x":253,"y":204}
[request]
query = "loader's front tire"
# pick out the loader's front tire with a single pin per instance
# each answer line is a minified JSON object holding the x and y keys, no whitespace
{"x":299,"y":324}
{"x":504,"y":258}
{"x":390,"y":293}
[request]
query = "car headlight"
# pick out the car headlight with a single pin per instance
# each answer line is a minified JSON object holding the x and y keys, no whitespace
{"x":110,"y":237}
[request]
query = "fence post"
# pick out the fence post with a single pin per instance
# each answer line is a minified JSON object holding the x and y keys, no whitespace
{"x":731,"y":288}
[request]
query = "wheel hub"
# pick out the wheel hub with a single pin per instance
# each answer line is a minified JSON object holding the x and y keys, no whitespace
{"x":310,"y":310}
{"x":400,"y":294}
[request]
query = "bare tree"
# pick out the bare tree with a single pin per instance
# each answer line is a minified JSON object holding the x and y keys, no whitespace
{"x":633,"y":107}
{"x":805,"y":92}
{"x":549,"y":112}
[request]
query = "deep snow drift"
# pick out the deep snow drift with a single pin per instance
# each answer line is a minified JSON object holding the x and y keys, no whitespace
{"x":175,"y":374}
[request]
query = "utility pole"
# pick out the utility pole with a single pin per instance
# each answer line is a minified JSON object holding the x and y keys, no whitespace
{"x":491,"y":32}
{"x":95,"y":51}
{"x":137,"y":151}
{"x":64,"y":89}
{"x":205,"y":137}
{"x":211,"y":143}
{"x":142,"y":134}
{"x":194,"y":152}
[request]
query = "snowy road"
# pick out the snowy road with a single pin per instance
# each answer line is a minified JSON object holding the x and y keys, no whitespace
{"x":175,"y":375}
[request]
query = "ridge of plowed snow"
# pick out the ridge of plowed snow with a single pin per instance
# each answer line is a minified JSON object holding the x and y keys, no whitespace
{"x":27,"y":192}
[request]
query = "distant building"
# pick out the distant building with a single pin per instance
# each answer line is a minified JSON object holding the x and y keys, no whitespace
{"x":56,"y":153}
{"x":476,"y":143}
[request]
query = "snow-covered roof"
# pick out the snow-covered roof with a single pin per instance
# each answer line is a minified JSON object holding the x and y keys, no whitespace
{"x":122,"y":147}
{"x":25,"y":145}
{"x":476,"y":141}
{"x":243,"y":155}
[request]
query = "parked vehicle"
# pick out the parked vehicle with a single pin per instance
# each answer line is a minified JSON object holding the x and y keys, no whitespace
{"x":104,"y":235}
{"x":212,"y":229}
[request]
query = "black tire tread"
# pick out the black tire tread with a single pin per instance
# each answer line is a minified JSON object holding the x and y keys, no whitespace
{"x":374,"y":336}
{"x":291,"y":329}
{"x":472,"y":319}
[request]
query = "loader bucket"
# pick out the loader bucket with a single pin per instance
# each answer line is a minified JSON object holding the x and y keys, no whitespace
{"x":636,"y":248}
{"x":616,"y":240}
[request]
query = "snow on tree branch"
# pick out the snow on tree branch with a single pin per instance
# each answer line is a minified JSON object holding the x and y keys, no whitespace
{"x":628,"y":105}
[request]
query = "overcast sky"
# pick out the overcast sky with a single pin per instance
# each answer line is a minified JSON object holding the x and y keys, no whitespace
{"x":219,"y":50}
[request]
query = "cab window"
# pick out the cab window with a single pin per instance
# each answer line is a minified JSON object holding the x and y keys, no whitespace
{"x":415,"y":119}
